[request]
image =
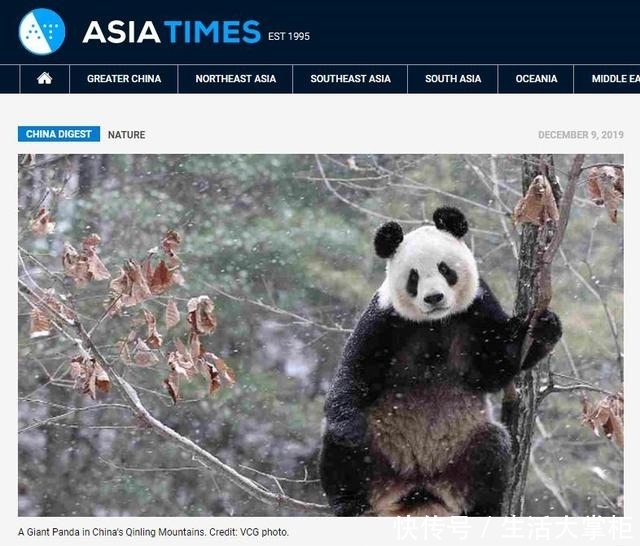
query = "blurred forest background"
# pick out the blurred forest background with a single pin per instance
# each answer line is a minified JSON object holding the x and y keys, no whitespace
{"x":283,"y":246}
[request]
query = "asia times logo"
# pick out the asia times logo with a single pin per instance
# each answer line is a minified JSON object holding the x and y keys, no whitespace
{"x":119,"y":31}
{"x":41,"y":31}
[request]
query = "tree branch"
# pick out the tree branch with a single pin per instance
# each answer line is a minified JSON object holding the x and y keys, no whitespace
{"x":300,"y":320}
{"x":88,"y":349}
{"x":381,"y":216}
{"x":247,"y":485}
{"x":537,"y":250}
{"x":72,"y":411}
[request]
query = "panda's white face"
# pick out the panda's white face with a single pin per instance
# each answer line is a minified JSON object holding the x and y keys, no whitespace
{"x":431,"y":275}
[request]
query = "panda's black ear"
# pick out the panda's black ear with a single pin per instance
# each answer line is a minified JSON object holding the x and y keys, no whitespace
{"x":452,"y":220}
{"x":387,"y":239}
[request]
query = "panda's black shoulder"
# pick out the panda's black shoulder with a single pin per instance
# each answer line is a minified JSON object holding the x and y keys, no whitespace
{"x":373,"y":322}
{"x":485,"y":306}
{"x":375,"y":313}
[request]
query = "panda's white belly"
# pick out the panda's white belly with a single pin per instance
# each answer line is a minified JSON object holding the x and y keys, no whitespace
{"x":424,"y":428}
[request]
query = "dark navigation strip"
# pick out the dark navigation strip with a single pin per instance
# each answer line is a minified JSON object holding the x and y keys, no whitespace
{"x":402,"y":79}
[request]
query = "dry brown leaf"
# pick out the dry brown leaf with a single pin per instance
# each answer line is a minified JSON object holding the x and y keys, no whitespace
{"x":97,"y":269}
{"x":180,"y":371}
{"x":214,"y":378}
{"x":74,"y":265}
{"x":224,"y":369}
{"x":182,"y":368}
{"x":170,"y":242}
{"x":605,"y":187}
{"x":171,"y":383}
{"x":200,"y":315}
{"x":102,"y":378}
{"x":89,"y":376}
{"x":215,"y":369}
{"x":171,"y":314}
{"x":169,"y":245}
{"x":143,"y":355}
{"x":131,"y":284}
{"x":195,"y":347}
{"x":76,"y":367}
{"x":607,"y":416}
{"x":123,"y":347}
{"x":84,"y":266}
{"x":161,"y":278}
{"x":40,"y":325}
{"x":182,"y":364}
{"x":154,"y":339}
{"x":42,"y":224}
{"x":538,"y":205}
{"x":28,"y":160}
{"x":53,"y":302}
{"x":91,"y":242}
{"x":181,"y":348}
{"x":122,"y":283}
{"x":89,"y":386}
{"x":124,"y":353}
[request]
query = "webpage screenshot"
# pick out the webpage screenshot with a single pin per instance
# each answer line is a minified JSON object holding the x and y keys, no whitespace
{"x":323,"y":274}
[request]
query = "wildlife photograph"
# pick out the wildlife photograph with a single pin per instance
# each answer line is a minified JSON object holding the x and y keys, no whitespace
{"x":348,"y":335}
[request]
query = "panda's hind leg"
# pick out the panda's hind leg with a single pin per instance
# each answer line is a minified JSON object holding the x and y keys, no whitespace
{"x":489,"y":460}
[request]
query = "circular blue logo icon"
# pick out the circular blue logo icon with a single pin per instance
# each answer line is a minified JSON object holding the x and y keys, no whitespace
{"x":41,"y":31}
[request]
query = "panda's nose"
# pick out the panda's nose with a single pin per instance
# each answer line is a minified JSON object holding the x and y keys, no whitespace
{"x":432,"y":299}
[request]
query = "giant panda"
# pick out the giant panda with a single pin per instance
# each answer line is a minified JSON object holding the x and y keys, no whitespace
{"x":408,"y":428}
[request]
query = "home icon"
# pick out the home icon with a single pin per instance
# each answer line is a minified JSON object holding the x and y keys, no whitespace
{"x":44,"y":79}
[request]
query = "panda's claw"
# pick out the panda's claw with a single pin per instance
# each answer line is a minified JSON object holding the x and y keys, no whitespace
{"x":548,"y":328}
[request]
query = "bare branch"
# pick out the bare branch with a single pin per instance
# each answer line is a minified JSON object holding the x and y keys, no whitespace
{"x":491,"y":182}
{"x":569,"y":388}
{"x":595,"y":291}
{"x":550,"y":484}
{"x":153,"y":469}
{"x":299,"y":319}
{"x":375,"y":214}
{"x":247,"y":485}
{"x":280,"y":478}
{"x":72,"y":411}
{"x":503,"y":220}
{"x":591,"y":165}
{"x":567,"y":353}
{"x":411,"y":183}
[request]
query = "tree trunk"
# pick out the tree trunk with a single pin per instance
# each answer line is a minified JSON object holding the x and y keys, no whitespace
{"x":520,"y":401}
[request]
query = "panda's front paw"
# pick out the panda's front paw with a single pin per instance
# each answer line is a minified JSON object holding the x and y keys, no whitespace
{"x":548,"y":328}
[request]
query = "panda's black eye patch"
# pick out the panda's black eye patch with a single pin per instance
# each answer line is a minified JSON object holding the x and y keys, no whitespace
{"x":449,"y":274}
{"x":412,"y":283}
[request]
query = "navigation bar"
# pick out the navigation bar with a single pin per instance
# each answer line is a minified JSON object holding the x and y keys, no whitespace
{"x":452,"y":79}
{"x":236,"y":79}
{"x":402,"y":79}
